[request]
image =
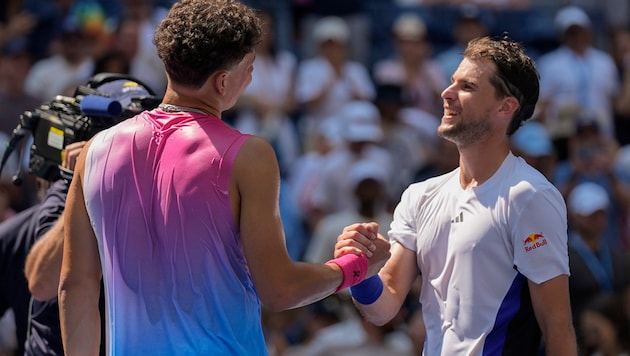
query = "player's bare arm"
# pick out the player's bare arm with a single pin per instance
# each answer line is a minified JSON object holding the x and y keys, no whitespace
{"x":397,"y":275}
{"x":80,"y":274}
{"x":550,"y":300}
{"x":281,"y":283}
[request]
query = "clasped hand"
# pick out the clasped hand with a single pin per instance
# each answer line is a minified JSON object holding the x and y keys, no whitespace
{"x":364,"y":238}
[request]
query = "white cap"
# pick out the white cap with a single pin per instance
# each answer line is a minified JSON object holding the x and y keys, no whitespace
{"x":587,"y":198}
{"x":366,"y":169}
{"x":362,"y":122}
{"x":331,"y":28}
{"x":571,"y":16}
{"x":409,"y":26}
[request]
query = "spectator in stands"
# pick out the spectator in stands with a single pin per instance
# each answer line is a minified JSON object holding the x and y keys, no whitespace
{"x":134,"y":36}
{"x":605,"y":328}
{"x":112,"y":61}
{"x":306,"y":172}
{"x":15,"y":22}
{"x":412,"y":67}
{"x":472,"y":22}
{"x":307,"y":13}
{"x":330,"y":80}
{"x":62,"y":72}
{"x":266,"y":107}
{"x":409,"y":134}
{"x":367,"y":183}
{"x":620,"y":50}
{"x":15,"y":63}
{"x":576,"y":76}
{"x":597,"y":266}
{"x":592,"y":159}
{"x":354,"y":335}
{"x":362,"y":131}
{"x":489,"y":4}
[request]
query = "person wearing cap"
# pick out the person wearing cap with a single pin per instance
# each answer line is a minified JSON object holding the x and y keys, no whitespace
{"x":181,"y":221}
{"x":362,"y":132}
{"x":488,"y":238}
{"x":576,"y":75}
{"x":326,"y":82}
{"x":367,"y":183}
{"x":597,"y":266}
{"x":412,"y":66}
{"x":532,"y":142}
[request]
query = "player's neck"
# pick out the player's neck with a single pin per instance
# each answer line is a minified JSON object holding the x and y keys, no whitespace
{"x":479,"y":163}
{"x":175,"y":101}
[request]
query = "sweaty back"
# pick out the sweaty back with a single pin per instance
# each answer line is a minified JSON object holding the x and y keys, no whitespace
{"x":156,"y":189}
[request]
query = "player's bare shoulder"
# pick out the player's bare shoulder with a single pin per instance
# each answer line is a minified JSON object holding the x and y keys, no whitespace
{"x":256,"y":160}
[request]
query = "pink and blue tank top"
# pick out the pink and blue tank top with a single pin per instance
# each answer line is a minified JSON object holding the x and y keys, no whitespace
{"x":176,"y":280}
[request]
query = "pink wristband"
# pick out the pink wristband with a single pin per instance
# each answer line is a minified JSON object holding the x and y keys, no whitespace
{"x":354,"y":268}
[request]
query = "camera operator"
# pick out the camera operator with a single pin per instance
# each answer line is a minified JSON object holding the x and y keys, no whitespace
{"x":60,"y":130}
{"x":17,"y":236}
{"x":42,"y":267}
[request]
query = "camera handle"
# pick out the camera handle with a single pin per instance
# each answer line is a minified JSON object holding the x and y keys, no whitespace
{"x":28,"y":121}
{"x":17,"y":178}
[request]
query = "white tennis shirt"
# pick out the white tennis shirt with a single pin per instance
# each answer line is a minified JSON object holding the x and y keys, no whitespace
{"x":476,"y":249}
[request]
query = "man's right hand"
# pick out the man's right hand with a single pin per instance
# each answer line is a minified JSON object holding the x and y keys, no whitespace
{"x":364,"y":238}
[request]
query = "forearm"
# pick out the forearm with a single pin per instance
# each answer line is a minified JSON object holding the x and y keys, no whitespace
{"x":560,"y":340}
{"x":302,"y":283}
{"x":43,"y":263}
{"x":385,"y":307}
{"x":551,"y":304}
{"x":80,"y":320}
{"x":324,"y":280}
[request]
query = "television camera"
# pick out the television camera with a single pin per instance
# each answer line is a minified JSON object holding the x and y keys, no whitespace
{"x":105,"y":100}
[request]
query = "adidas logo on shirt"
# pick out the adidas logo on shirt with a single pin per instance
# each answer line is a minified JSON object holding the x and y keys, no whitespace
{"x":459,"y":218}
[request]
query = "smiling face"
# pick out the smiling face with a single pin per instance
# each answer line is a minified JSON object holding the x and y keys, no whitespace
{"x":470,"y":104}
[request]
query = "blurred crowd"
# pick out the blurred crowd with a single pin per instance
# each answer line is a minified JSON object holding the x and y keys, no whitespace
{"x":348,"y":94}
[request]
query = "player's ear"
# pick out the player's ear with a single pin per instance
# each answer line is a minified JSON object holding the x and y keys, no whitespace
{"x":509,"y":106}
{"x":220,"y":81}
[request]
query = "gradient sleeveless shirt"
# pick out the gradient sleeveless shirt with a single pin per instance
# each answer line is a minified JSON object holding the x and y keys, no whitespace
{"x":176,"y":280}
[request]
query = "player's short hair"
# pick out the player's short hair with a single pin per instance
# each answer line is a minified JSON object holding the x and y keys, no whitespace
{"x":516,"y":74}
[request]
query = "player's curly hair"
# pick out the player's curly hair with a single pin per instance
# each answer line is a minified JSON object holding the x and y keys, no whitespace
{"x":516,"y":74}
{"x":200,"y":37}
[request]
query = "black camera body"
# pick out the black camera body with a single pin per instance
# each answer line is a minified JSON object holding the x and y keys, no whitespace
{"x":58,"y":124}
{"x":106,"y":100}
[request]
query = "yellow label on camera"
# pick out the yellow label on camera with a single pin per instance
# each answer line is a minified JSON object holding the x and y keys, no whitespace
{"x":55,"y":138}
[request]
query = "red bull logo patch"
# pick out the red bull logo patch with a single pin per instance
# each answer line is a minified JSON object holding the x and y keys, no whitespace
{"x":534,"y":241}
